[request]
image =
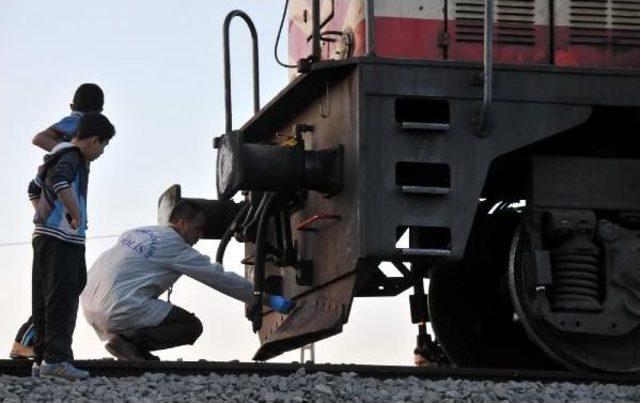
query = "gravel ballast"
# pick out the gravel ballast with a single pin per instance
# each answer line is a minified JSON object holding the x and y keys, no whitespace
{"x":302,"y":387}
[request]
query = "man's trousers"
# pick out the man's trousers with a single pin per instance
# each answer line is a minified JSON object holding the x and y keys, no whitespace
{"x":178,"y":328}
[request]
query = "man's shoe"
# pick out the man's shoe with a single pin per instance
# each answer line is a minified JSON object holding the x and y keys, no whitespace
{"x":123,"y":350}
{"x":62,"y":370}
{"x":35,"y":370}
{"x":149,"y":357}
{"x":20,"y":351}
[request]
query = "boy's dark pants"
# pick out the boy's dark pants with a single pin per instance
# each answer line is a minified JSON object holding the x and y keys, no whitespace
{"x":58,"y":277}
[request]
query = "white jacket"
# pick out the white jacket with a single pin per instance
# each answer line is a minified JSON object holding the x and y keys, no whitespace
{"x":123,"y":285}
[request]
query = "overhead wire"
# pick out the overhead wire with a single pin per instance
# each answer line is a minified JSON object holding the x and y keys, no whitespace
{"x":29,"y":242}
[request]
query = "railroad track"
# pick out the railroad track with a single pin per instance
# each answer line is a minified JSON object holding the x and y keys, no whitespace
{"x":112,"y":368}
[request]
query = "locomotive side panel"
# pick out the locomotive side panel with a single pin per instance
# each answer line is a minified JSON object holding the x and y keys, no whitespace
{"x":565,"y":33}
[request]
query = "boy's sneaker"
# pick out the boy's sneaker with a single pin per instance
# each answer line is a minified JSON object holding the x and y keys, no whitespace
{"x":35,"y":370}
{"x":62,"y":370}
{"x":20,"y":351}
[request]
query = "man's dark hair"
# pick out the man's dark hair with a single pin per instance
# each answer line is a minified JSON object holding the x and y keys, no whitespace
{"x":186,"y":210}
{"x":88,"y":98}
{"x":95,"y":124}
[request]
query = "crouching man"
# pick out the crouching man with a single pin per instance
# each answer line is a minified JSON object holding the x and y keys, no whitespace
{"x":121,"y":301}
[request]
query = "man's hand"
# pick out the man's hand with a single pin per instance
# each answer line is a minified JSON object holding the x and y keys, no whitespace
{"x":279,"y":303}
{"x":253,"y":310}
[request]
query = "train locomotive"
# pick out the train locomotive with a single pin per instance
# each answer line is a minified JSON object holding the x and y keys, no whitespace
{"x":497,"y":135}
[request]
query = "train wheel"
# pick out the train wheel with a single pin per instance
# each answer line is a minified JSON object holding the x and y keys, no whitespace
{"x":591,"y":352}
{"x":470,"y":307}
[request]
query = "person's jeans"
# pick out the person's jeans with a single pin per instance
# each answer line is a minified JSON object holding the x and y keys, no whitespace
{"x":58,"y":276}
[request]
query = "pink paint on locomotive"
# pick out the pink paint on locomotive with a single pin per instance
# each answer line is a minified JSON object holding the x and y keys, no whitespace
{"x":588,"y":34}
{"x":346,"y":14}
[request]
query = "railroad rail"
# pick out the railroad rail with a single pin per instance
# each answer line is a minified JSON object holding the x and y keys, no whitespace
{"x":112,"y":368}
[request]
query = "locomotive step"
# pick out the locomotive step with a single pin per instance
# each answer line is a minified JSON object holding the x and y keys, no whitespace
{"x":426,"y":126}
{"x":414,"y":252}
{"x":428,"y":190}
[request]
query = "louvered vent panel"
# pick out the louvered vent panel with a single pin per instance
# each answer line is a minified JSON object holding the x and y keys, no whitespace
{"x":604,"y":22}
{"x":625,"y":22}
{"x":588,"y":21}
{"x":469,"y":20}
{"x":515,"y":21}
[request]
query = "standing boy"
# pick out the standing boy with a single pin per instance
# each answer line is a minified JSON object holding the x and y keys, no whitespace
{"x":87,"y":98}
{"x":59,"y":193}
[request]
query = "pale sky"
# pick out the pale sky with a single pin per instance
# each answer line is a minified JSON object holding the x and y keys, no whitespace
{"x":160,"y":65}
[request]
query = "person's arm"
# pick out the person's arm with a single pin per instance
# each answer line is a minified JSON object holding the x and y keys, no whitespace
{"x":34,"y":191}
{"x":47,"y":139}
{"x":199,"y":267}
{"x":64,"y":130}
{"x":68,"y":198}
{"x":62,"y":175}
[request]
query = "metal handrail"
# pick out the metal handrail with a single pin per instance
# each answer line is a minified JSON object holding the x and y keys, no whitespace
{"x":487,"y":73}
{"x":227,"y":66}
{"x":316,"y":47}
{"x":369,"y":12}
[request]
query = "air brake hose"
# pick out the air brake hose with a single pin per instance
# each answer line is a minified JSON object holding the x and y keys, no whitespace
{"x":256,"y":214}
{"x":226,"y":237}
{"x":259,"y":266}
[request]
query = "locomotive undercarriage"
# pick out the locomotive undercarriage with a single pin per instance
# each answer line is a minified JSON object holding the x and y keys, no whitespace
{"x":557,"y":275}
{"x":524,"y":230}
{"x":560,"y":266}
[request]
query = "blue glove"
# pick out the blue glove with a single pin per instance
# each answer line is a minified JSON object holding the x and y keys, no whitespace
{"x":281,"y":304}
